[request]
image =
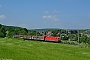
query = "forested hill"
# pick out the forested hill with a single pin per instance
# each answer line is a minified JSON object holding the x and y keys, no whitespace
{"x":11,"y":26}
{"x":46,"y":29}
{"x":9,"y":31}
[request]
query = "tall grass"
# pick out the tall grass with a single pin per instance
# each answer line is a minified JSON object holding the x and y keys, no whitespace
{"x":18,"y":49}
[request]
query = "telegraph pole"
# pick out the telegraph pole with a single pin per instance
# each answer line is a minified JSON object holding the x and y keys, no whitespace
{"x":36,"y":35}
{"x":78,"y":37}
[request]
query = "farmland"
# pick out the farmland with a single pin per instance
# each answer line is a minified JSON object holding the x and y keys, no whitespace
{"x":18,"y":49}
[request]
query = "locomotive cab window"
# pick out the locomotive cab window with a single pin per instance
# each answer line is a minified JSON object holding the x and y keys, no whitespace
{"x":58,"y":38}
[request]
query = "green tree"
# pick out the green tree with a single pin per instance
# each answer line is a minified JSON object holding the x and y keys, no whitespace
{"x":10,"y":32}
{"x":64,"y":37}
{"x":88,"y":40}
{"x":2,"y":31}
{"x":63,"y":31}
{"x":56,"y":33}
{"x":83,"y":39}
{"x":73,"y":31}
{"x":0,"y":25}
{"x":32,"y":33}
{"x":72,"y":37}
{"x":21,"y":31}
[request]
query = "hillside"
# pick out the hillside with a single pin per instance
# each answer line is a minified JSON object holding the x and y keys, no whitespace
{"x":46,"y":29}
{"x":18,"y":49}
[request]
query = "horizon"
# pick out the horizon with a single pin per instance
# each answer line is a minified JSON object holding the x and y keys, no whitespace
{"x":47,"y":28}
{"x":41,"y":14}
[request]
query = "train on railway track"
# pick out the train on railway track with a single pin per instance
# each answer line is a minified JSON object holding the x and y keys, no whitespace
{"x":39,"y":38}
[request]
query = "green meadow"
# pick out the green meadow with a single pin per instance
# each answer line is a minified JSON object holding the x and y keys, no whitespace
{"x":18,"y":49}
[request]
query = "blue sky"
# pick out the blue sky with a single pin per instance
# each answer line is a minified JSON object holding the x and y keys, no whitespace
{"x":32,"y":14}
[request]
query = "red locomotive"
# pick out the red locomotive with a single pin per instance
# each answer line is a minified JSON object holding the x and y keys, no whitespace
{"x":53,"y":39}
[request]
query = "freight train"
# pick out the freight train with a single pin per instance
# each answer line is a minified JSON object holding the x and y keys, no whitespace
{"x":39,"y":38}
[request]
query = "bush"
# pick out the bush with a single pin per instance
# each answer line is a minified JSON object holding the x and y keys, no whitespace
{"x":70,"y":42}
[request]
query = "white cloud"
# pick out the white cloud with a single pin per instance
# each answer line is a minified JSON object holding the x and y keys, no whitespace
{"x":54,"y":18}
{"x":49,"y":17}
{"x":57,"y":11}
{"x":2,"y":16}
{"x":44,"y":17}
{"x":46,"y":12}
{"x":54,"y":11}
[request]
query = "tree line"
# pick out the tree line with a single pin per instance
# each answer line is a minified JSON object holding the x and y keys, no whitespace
{"x":72,"y":35}
{"x":9,"y":31}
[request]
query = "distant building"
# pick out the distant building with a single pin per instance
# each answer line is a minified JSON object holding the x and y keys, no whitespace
{"x":49,"y":33}
{"x":88,"y":35}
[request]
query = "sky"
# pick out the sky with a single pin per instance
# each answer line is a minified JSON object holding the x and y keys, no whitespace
{"x":34,"y":14}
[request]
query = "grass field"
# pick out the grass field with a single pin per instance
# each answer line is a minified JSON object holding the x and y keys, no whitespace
{"x":18,"y":49}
